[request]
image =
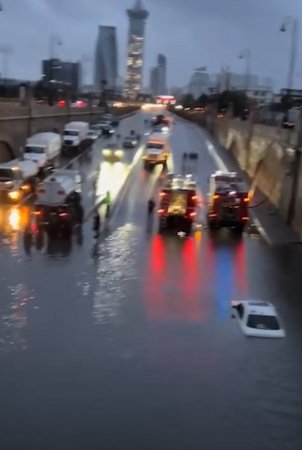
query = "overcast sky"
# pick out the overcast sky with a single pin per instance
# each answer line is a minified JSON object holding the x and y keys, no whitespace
{"x":191,"y":33}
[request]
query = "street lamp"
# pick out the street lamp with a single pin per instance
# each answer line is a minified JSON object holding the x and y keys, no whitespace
{"x":54,"y":42}
{"x":291,"y":23}
{"x":246,"y":55}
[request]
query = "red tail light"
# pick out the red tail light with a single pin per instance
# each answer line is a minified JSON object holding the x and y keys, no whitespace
{"x":163,"y":194}
{"x":160,"y":211}
{"x":194,"y":197}
{"x":193,"y":214}
{"x":215,"y":197}
{"x":245,"y":218}
{"x":63,"y":214}
{"x":246,"y":199}
{"x":33,"y":227}
{"x":37,"y":213}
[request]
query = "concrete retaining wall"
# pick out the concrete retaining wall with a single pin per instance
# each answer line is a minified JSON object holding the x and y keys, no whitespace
{"x":15,"y":129}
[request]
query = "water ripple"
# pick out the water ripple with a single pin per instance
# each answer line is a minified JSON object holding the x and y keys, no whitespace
{"x":116,"y":268}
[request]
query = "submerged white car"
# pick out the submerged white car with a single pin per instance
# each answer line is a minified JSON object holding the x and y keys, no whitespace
{"x":257,"y":319}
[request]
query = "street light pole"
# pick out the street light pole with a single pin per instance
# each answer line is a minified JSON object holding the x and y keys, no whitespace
{"x":54,"y":41}
{"x":246,"y":55}
{"x":293,"y":24}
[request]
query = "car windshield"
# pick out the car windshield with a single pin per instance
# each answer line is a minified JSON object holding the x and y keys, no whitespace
{"x":262,"y":322}
{"x":6,"y":174}
{"x":71,"y":133}
{"x":155,"y":146}
{"x":35,"y":150}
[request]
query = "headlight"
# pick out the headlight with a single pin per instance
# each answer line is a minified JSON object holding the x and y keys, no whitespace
{"x":14,"y":195}
{"x":107,"y":152}
{"x":118,"y":153}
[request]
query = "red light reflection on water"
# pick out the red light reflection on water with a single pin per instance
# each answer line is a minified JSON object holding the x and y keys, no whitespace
{"x":172,"y":282}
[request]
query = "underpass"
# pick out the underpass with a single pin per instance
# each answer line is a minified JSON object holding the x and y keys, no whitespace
{"x":133,"y":345}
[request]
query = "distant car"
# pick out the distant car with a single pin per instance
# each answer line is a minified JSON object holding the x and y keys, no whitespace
{"x":107,"y":130}
{"x":130,"y":142}
{"x":97,"y":129}
{"x":160,"y":129}
{"x":257,"y":319}
{"x":93,"y":135}
{"x":113,"y":151}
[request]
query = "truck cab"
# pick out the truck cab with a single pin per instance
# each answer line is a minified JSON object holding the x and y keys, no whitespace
{"x":228,"y":202}
{"x":156,"y":151}
{"x":74,"y":135}
{"x":178,"y":204}
{"x":58,"y":206}
{"x":17,"y":178}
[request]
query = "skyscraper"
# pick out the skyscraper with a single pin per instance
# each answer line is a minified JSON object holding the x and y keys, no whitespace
{"x":135,"y":53}
{"x":106,"y":58}
{"x":162,"y":66}
{"x":154,"y":81}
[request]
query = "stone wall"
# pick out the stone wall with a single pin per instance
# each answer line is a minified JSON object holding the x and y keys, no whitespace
{"x":19,"y":123}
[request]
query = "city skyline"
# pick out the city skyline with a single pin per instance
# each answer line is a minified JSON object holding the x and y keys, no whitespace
{"x":199,"y":23}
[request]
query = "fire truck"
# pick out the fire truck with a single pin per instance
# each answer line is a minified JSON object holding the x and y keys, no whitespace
{"x":228,"y":202}
{"x":178,"y":204}
{"x":58,"y":205}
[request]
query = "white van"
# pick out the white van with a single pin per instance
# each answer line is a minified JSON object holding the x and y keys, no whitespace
{"x":74,"y":134}
{"x":43,"y":149}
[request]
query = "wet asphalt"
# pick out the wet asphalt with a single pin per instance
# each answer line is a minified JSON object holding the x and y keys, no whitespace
{"x":128,"y":342}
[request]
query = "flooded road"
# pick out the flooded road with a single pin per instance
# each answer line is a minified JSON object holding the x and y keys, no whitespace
{"x":132,"y":346}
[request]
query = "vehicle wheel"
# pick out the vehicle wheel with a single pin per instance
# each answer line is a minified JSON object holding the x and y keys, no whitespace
{"x":146,"y":165}
{"x":67,"y":231}
{"x":211,"y":225}
{"x":188,"y":228}
{"x":239,"y":229}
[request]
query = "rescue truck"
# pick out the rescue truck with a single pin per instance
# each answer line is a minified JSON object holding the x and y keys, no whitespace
{"x":58,"y":205}
{"x":178,"y":204}
{"x":17,"y":178}
{"x":228,"y":202}
{"x":156,"y":151}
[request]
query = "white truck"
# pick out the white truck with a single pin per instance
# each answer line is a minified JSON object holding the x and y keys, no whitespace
{"x":58,"y":205}
{"x":156,"y":151}
{"x":43,"y":149}
{"x":74,"y":135}
{"x":17,"y":178}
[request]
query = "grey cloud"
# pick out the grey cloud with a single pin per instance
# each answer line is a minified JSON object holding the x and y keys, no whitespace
{"x":190,"y":32}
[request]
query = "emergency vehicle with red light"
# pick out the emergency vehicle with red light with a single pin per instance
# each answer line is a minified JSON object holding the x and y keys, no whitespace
{"x":58,"y":205}
{"x":179,"y":204}
{"x":228,"y":202}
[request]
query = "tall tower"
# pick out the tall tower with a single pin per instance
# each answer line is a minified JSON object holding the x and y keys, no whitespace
{"x":135,"y":54}
{"x":106,"y":58}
